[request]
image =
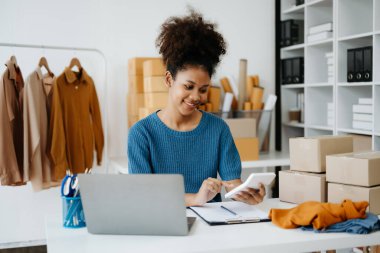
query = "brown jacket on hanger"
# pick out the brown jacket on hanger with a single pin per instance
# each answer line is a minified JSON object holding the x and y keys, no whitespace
{"x":37,"y":102}
{"x":11,"y":126}
{"x":75,"y":123}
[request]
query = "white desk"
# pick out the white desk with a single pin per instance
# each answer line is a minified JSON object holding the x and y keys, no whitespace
{"x":272,"y":159}
{"x":259,"y":237}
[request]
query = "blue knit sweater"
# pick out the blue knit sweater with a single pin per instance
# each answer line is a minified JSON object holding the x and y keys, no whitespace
{"x":197,"y":154}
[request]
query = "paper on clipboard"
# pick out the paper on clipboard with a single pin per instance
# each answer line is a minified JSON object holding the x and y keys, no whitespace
{"x":214,"y":214}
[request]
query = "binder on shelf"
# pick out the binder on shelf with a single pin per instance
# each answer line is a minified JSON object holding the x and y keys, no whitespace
{"x":297,"y":67}
{"x":367,"y":62}
{"x":351,"y":65}
{"x":358,"y":65}
{"x":230,"y":212}
{"x":292,"y":32}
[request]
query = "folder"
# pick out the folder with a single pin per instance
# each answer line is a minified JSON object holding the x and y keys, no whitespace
{"x":231,"y":212}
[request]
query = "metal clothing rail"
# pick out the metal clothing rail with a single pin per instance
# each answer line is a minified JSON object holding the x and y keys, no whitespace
{"x":95,"y":50}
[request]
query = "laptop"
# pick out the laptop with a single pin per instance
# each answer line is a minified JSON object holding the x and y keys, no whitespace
{"x":134,"y":204}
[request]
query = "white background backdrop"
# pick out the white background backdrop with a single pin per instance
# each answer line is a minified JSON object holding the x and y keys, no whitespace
{"x":121,"y":29}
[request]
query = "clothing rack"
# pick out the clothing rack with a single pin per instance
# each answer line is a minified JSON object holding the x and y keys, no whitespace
{"x":95,"y":50}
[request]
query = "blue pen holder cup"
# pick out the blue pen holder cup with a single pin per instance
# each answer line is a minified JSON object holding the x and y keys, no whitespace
{"x":72,"y":212}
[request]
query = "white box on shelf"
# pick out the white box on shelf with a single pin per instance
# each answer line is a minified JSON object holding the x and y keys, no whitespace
{"x":319,"y":36}
{"x":330,"y":106}
{"x":330,"y":60}
{"x":362,"y":125}
{"x":329,"y":55}
{"x":330,"y":121}
{"x":330,"y":113}
{"x":362,"y":108}
{"x":365,"y":101}
{"x":330,"y":68}
{"x":330,"y":79}
{"x":321,"y":28}
{"x":362,"y":117}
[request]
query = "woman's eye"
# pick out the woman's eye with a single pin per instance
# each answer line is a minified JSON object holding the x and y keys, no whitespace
{"x":187,"y":87}
{"x":203,"y":91}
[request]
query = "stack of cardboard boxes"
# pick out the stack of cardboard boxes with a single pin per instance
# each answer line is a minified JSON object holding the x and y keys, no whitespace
{"x":146,"y":87}
{"x":306,"y":180}
{"x":354,"y":176}
{"x":243,"y":131}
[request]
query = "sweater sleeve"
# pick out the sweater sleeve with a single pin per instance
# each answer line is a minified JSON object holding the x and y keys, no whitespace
{"x":97,"y":125}
{"x":138,"y":151}
{"x":229,"y":159}
{"x":57,"y":136}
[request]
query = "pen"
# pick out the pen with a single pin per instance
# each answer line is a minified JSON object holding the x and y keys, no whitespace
{"x":228,"y":210}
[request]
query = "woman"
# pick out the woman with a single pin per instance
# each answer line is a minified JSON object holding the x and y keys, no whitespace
{"x":180,"y":139}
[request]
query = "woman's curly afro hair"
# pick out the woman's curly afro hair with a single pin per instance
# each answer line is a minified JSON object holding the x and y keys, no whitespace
{"x":190,"y":41}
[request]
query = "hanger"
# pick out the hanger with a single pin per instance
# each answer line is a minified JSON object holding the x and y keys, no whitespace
{"x":14,"y":61}
{"x":43,"y":63}
{"x":75,"y":62}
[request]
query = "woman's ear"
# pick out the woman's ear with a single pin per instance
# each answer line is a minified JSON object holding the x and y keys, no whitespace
{"x":168,"y":79}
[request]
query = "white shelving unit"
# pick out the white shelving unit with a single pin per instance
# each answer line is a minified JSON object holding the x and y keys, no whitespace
{"x":355,"y":24}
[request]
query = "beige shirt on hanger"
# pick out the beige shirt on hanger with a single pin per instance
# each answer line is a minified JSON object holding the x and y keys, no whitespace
{"x":37,"y":103}
{"x":11,"y":131}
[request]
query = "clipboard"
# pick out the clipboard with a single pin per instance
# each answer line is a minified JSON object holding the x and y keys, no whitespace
{"x":231,"y":212}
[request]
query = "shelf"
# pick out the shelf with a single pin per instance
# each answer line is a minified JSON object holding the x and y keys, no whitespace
{"x":376,"y":83}
{"x":327,"y":128}
{"x":316,"y":43}
{"x":319,"y":85}
{"x":293,"y":47}
{"x":299,"y":125}
{"x":354,"y":17}
{"x":293,"y":86}
{"x":356,"y":36}
{"x":355,"y":84}
{"x":320,"y":3}
{"x":295,"y":9}
{"x":377,"y":134}
{"x":354,"y":131}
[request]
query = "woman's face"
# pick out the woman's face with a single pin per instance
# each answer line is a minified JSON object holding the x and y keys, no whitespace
{"x":188,"y":90}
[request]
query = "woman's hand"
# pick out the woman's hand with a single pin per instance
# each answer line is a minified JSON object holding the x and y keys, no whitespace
{"x":251,"y":196}
{"x":210,"y":187}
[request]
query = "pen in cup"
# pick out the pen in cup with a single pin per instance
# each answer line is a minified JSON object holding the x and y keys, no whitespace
{"x":229,"y":210}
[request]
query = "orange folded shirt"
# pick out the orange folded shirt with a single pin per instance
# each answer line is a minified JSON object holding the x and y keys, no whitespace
{"x":320,"y":215}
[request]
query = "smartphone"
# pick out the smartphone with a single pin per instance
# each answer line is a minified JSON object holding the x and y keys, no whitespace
{"x":253,"y":181}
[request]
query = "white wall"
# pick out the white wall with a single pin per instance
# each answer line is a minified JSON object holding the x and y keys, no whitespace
{"x":125,"y":29}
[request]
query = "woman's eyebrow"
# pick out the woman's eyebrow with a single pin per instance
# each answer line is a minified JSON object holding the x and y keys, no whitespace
{"x":192,"y":82}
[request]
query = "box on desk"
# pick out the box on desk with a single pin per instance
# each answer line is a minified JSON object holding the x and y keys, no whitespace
{"x":361,"y":168}
{"x":134,"y":102}
{"x":135,"y":84}
{"x":155,"y":84}
{"x":248,"y":148}
{"x":242,"y":127}
{"x":156,"y":99}
{"x":339,"y":192}
{"x":297,"y":187}
{"x":154,"y":67}
{"x":309,"y":153}
{"x":135,"y":65}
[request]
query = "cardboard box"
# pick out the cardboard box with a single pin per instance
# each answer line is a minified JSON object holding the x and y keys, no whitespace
{"x":362,"y":169}
{"x":135,"y":65}
{"x":339,"y":192}
{"x":214,"y":95}
{"x":154,"y":67}
{"x":297,"y":187}
{"x":144,"y":112}
{"x":362,"y":142}
{"x":242,"y":127}
{"x":132,"y":120}
{"x":248,"y":148}
{"x":156,"y":99}
{"x":134,"y":102}
{"x":309,"y":153}
{"x":135,"y":84}
{"x":155,"y":84}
